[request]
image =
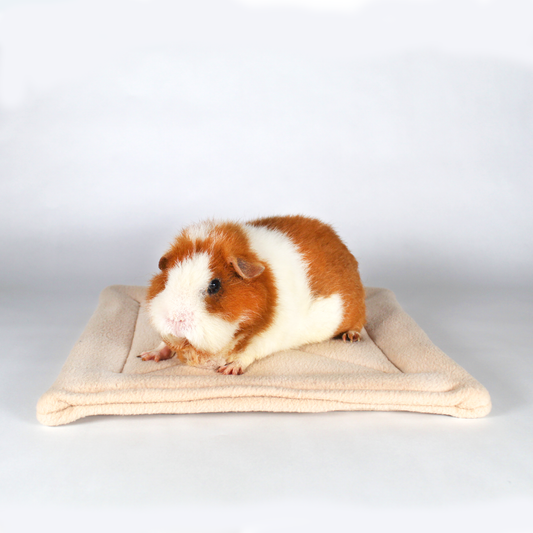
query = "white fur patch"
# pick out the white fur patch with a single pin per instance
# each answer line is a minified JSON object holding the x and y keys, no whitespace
{"x":179,"y":310}
{"x":300,"y":318}
{"x":200,"y":231}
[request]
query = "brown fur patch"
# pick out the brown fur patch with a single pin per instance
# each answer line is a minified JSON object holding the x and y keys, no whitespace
{"x":157,"y":284}
{"x":250,"y":300}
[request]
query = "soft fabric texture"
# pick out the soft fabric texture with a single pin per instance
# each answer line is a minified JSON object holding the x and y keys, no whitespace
{"x":394,"y":368}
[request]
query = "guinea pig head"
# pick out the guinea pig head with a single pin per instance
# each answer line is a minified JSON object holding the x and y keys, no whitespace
{"x":211,"y":290}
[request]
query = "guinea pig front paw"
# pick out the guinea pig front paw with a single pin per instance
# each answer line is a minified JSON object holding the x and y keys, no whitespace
{"x":235,"y":368}
{"x":157,"y":354}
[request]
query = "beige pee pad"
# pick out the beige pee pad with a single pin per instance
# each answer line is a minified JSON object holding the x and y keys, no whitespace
{"x":394,"y":368}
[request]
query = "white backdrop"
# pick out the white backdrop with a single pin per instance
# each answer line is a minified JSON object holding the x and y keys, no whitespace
{"x":408,"y":125}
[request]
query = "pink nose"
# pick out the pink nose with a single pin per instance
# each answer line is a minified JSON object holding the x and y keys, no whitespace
{"x":180,"y":325}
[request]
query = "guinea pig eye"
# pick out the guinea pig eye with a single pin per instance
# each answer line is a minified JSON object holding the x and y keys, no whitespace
{"x":214,"y":286}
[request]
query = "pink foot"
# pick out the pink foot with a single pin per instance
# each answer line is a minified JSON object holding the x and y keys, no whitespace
{"x":234,"y":368}
{"x":352,"y":336}
{"x":157,"y":354}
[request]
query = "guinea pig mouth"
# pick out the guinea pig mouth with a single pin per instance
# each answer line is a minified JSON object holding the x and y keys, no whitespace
{"x":179,"y":327}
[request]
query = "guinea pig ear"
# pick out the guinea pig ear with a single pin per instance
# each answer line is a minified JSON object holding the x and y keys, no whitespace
{"x":247,"y":269}
{"x":163,"y":262}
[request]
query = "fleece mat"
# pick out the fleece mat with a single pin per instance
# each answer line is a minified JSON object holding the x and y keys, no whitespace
{"x":395,"y":367}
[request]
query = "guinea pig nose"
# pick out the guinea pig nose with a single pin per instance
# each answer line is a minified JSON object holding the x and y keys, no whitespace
{"x":180,"y":323}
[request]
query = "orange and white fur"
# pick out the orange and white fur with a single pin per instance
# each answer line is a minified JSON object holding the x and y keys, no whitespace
{"x":230,"y":293}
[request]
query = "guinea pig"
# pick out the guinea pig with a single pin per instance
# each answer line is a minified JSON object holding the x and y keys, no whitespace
{"x":230,"y":293}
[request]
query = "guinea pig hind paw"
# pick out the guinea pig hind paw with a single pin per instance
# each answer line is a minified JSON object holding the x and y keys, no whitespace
{"x":234,"y":368}
{"x":351,"y":336}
